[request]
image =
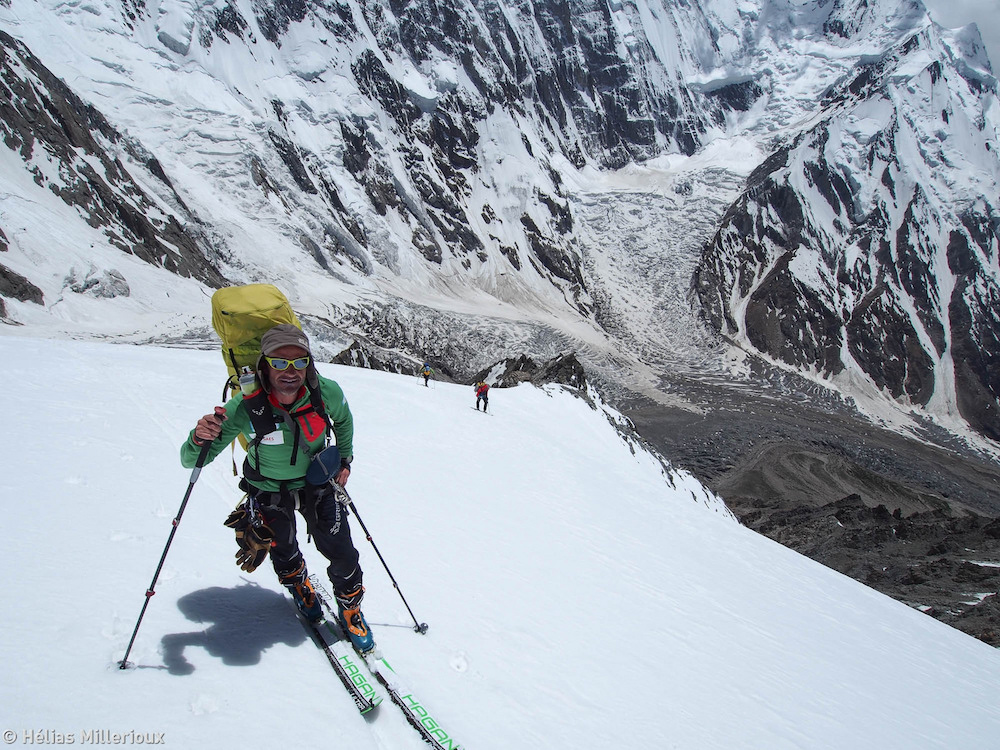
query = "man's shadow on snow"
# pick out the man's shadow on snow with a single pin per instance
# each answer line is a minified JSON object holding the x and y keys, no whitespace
{"x":246,"y":621}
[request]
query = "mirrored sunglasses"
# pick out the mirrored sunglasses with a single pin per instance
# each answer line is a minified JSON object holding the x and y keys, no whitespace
{"x":277,"y":363}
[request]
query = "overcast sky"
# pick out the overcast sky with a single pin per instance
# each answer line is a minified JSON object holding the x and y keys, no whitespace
{"x":984,"y":13}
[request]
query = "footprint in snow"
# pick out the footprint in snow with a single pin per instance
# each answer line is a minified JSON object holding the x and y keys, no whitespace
{"x":459,"y":663}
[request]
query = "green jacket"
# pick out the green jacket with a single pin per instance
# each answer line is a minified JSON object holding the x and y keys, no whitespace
{"x":273,"y":455}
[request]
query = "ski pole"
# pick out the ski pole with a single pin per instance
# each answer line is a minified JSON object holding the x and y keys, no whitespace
{"x":123,"y":664}
{"x":419,"y":627}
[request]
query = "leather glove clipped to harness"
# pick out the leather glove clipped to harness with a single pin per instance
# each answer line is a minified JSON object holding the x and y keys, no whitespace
{"x":254,"y":541}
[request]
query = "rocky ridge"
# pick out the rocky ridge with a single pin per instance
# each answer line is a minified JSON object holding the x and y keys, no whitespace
{"x":916,"y":519}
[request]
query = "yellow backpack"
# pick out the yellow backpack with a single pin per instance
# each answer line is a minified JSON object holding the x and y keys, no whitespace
{"x":241,"y":315}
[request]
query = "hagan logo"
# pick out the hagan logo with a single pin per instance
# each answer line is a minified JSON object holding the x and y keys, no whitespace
{"x":429,"y":723}
{"x":357,"y":677}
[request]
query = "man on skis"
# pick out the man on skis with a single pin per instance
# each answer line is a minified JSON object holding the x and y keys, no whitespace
{"x":287,"y":422}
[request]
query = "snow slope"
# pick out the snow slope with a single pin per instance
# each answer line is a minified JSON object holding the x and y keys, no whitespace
{"x":577,"y":595}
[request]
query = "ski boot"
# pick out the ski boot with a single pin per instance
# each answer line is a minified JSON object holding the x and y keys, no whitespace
{"x":303,"y":594}
{"x":353,"y":622}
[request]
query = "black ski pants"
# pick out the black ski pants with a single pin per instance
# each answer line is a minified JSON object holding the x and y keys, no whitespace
{"x":326,"y":523}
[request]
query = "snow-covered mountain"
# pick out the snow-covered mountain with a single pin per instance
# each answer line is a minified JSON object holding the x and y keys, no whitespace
{"x":474,"y":180}
{"x":579,"y":594}
{"x":867,"y":249}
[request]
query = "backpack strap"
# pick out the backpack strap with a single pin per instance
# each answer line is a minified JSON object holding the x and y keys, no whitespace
{"x":316,"y":399}
{"x":262,"y":418}
{"x":232,"y":383}
{"x":261,"y":414}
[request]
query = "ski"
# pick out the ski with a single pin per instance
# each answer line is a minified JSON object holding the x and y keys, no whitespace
{"x":414,"y":711}
{"x":344,"y":661}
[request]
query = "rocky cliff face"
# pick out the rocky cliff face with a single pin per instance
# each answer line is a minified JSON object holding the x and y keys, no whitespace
{"x":70,"y":149}
{"x":564,"y":369}
{"x":867,"y":249}
{"x":415,"y":148}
